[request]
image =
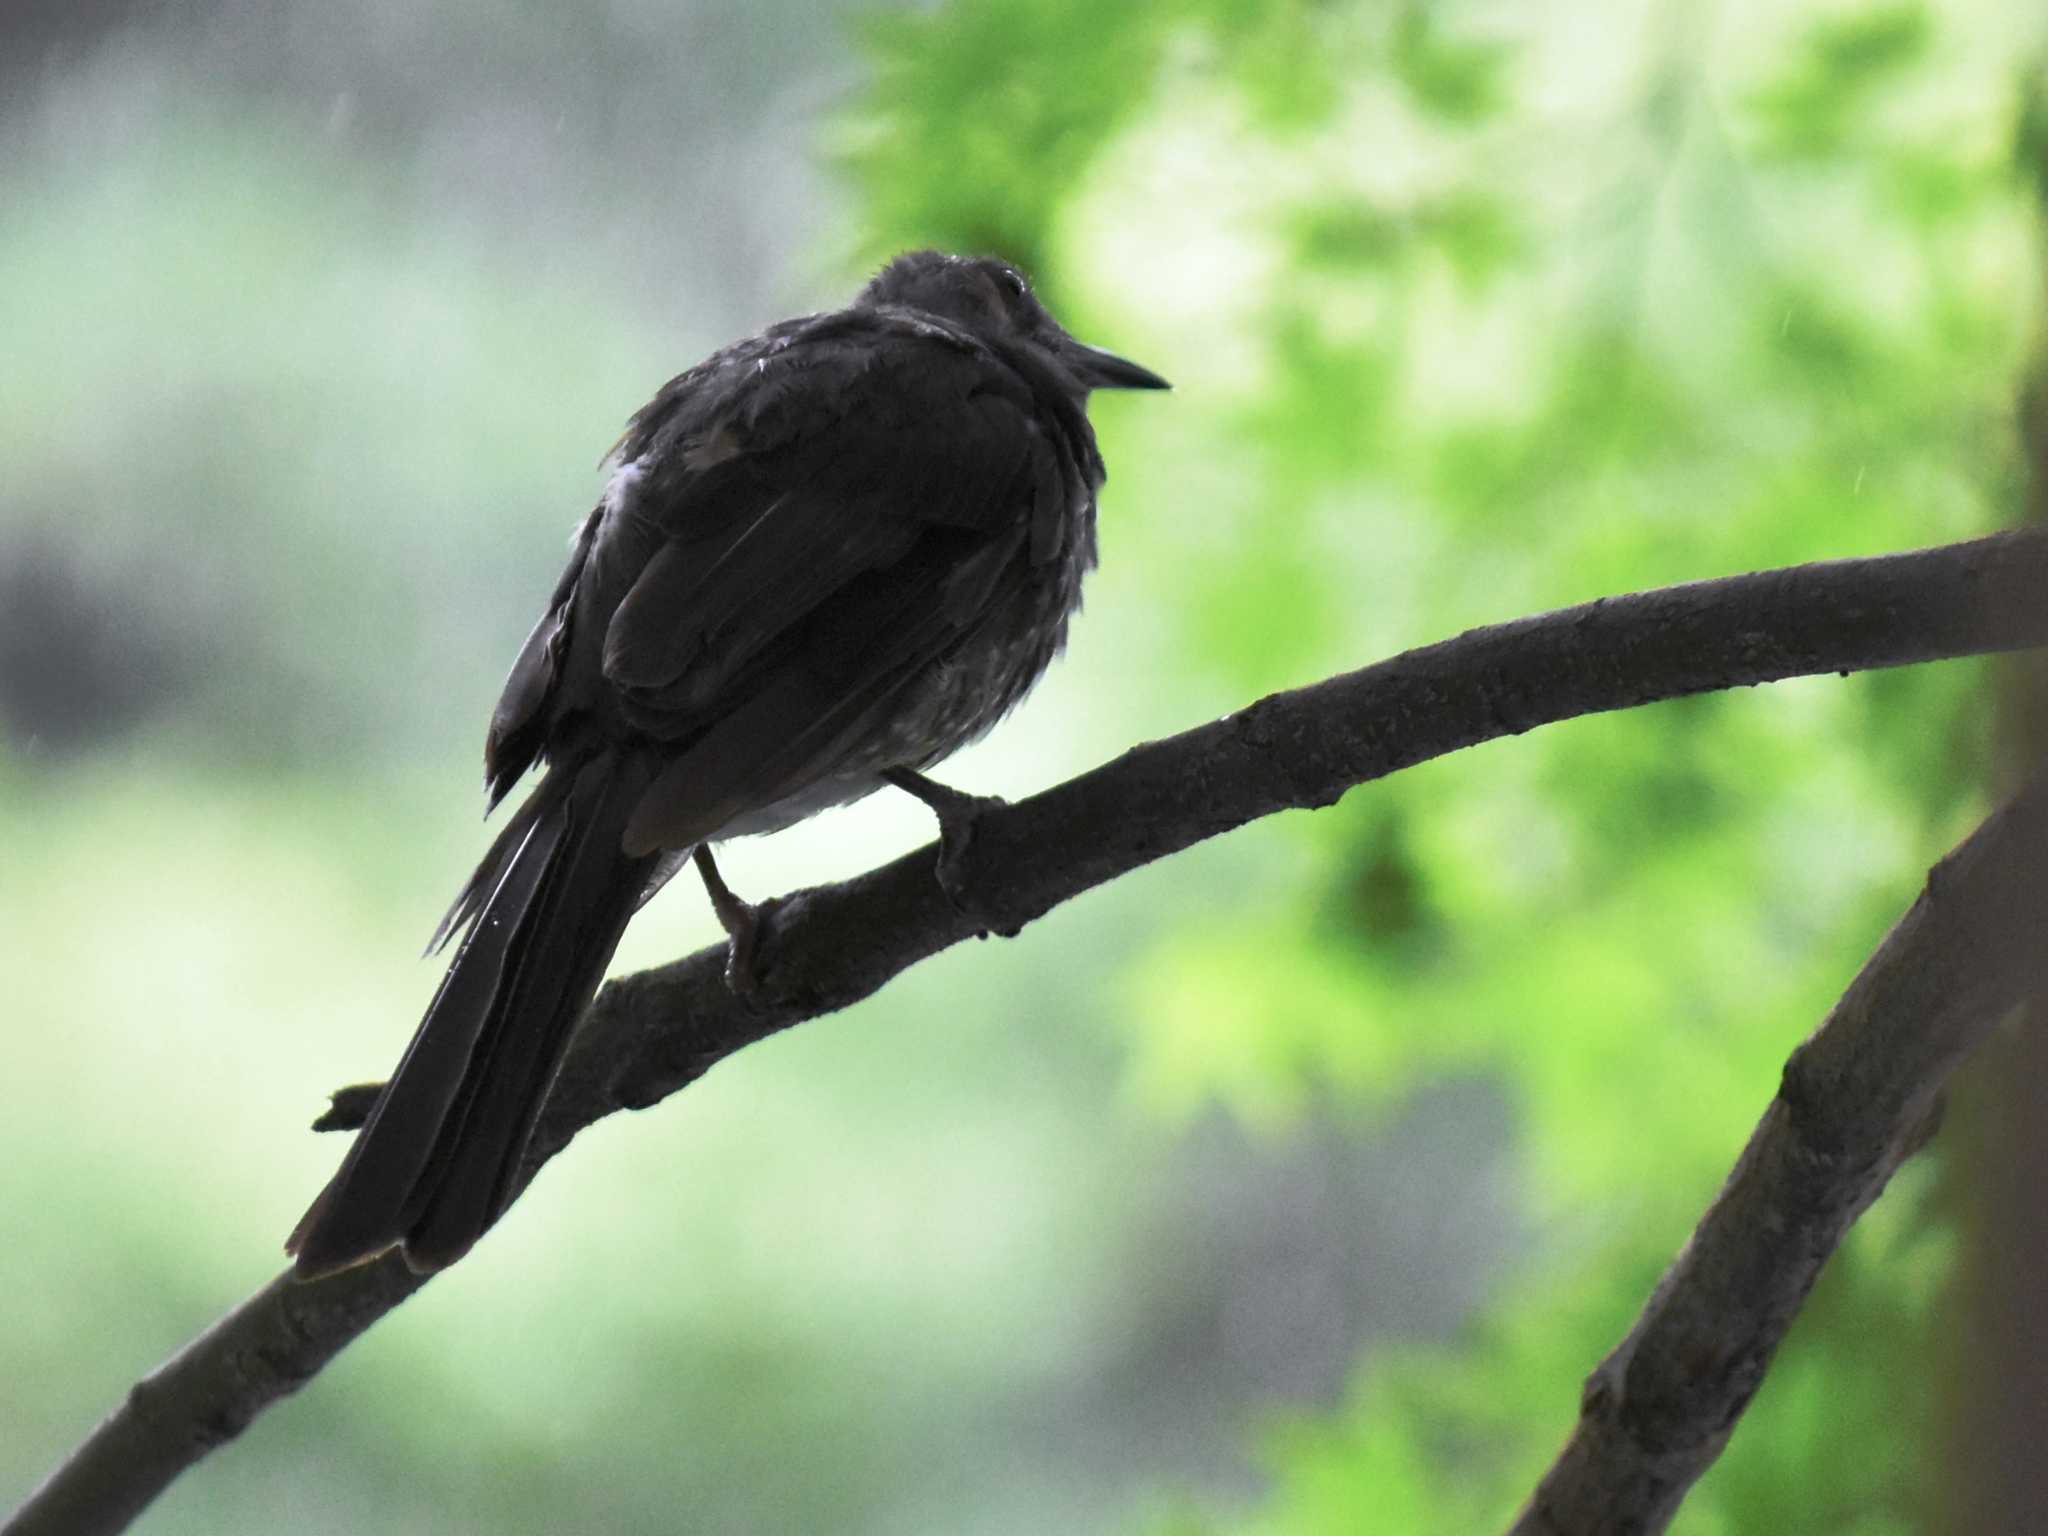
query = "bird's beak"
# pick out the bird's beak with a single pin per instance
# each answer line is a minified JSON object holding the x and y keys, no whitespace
{"x":1105,"y":370}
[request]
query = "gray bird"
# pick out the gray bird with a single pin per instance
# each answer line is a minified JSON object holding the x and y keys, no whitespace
{"x":827,"y":557}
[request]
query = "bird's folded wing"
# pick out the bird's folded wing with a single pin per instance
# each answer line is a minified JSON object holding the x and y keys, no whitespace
{"x":809,"y":530}
{"x":754,"y":548}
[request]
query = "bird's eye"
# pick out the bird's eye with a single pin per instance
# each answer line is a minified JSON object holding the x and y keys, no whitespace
{"x":1016,"y":281}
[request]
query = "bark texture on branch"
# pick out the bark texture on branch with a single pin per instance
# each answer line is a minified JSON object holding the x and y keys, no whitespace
{"x":650,"y":1034}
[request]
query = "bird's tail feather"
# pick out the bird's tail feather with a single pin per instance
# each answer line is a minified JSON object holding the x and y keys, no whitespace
{"x":433,"y":1166}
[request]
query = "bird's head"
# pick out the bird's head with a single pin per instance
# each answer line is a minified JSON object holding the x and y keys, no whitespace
{"x":991,"y":298}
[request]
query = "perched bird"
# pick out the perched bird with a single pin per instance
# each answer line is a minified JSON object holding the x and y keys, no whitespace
{"x":826,"y":557}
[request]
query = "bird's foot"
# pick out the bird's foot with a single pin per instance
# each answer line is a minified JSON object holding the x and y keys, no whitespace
{"x":743,"y":922}
{"x":959,"y":815}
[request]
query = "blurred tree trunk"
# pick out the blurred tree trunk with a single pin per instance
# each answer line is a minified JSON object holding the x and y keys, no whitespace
{"x":1994,"y":1473}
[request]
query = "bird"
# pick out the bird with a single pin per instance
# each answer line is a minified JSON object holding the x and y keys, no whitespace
{"x":824,"y":559}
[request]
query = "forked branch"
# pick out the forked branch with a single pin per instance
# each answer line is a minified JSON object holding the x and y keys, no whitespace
{"x":650,"y":1034}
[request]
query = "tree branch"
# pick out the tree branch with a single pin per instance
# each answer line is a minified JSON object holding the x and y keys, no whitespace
{"x":650,"y":1034}
{"x":1858,"y":1098}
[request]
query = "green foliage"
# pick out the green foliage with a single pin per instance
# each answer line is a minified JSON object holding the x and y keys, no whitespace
{"x":1448,"y":354}
{"x":995,"y":136}
{"x":1450,"y":79}
{"x":1838,"y":78}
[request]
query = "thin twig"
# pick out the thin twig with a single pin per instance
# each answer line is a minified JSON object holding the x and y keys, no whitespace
{"x":650,"y":1034}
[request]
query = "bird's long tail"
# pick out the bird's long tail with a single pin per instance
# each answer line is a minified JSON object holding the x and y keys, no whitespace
{"x":434,"y":1165}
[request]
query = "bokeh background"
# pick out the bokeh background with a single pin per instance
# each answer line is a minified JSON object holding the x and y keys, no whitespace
{"x":1289,"y":1187}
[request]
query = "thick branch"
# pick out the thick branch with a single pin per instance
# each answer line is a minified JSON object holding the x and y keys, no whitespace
{"x":1858,"y":1098}
{"x":650,"y":1034}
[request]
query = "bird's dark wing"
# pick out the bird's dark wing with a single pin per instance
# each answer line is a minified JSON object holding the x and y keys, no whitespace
{"x":518,"y":724}
{"x":752,"y":552}
{"x":798,"y":530}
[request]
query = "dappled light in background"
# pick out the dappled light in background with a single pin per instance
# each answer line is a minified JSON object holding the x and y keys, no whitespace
{"x":1290,"y":1186}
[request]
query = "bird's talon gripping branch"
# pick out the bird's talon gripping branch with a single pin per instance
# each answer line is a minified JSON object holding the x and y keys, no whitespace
{"x":743,"y":922}
{"x":960,"y":815}
{"x":743,"y":960}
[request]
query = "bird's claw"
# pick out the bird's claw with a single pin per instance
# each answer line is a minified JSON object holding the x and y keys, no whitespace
{"x":960,"y":815}
{"x":743,"y":956}
{"x":956,"y":843}
{"x":745,"y":924}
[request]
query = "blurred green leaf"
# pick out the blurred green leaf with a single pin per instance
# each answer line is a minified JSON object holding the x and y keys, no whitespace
{"x":1458,"y":81}
{"x":1823,"y":96}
